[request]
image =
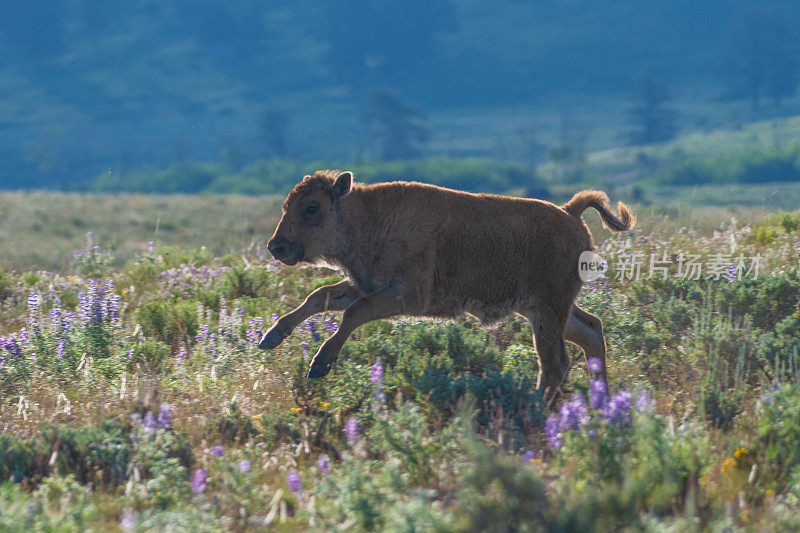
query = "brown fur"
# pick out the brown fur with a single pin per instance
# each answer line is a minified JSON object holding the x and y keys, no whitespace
{"x":421,"y":250}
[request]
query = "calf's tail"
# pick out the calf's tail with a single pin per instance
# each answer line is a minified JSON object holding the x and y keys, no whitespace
{"x":599,"y":200}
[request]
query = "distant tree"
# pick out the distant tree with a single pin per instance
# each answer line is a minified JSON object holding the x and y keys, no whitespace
{"x":397,"y":128}
{"x":273,"y":126}
{"x":569,"y":155}
{"x":760,"y":56}
{"x":651,"y":118}
{"x":233,"y":30}
{"x":532,"y":150}
{"x":387,"y":36}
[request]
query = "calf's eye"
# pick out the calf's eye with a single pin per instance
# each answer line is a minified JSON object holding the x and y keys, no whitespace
{"x":312,"y":209}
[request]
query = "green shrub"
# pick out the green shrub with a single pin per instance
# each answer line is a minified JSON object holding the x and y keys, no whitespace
{"x":620,"y":472}
{"x":59,"y":504}
{"x":152,"y":355}
{"x":20,"y":458}
{"x":96,"y":454}
{"x":369,"y":496}
{"x":778,"y":430}
{"x":233,"y":427}
{"x":172,"y":323}
{"x":158,"y":466}
{"x":500,"y":398}
{"x":404,"y":436}
{"x":499,"y":494}
{"x":720,"y":407}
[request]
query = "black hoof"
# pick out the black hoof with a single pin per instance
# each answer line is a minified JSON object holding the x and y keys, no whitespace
{"x":271,"y":339}
{"x":319,"y":370}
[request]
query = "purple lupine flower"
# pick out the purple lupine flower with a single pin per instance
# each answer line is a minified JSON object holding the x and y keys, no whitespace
{"x":529,"y":456}
{"x":323,"y":465}
{"x":127,"y":520}
{"x":732,"y":273}
{"x":60,"y":347}
{"x":34,"y":319}
{"x":376,"y":372}
{"x":112,"y":307}
{"x":644,"y":404}
{"x":149,"y":422}
{"x":244,"y":465}
{"x":595,"y":365}
{"x":199,"y":481}
{"x":598,"y":394}
{"x":151,"y":246}
{"x":619,"y":407}
{"x":573,"y":414}
{"x":218,"y":450}
{"x":552,"y":432}
{"x":164,"y":416}
{"x":293,"y":481}
{"x":11,"y":345}
{"x":181,"y":354}
{"x":305,"y":347}
{"x":351,"y":429}
{"x":274,"y":317}
{"x":255,"y":332}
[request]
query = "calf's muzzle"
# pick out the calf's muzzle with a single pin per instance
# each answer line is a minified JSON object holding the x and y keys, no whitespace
{"x":285,"y":251}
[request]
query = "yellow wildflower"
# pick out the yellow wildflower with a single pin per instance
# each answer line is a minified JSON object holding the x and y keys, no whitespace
{"x":297,"y":409}
{"x":256,"y":417}
{"x":728,"y":464}
{"x":740,"y":452}
{"x":770,"y":493}
{"x":325,"y":405}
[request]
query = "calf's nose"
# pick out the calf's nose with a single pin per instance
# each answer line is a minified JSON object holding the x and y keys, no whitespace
{"x":278,"y":247}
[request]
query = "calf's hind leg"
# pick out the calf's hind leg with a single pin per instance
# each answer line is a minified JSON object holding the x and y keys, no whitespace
{"x":334,"y":297}
{"x":548,"y":337}
{"x":586,"y":330}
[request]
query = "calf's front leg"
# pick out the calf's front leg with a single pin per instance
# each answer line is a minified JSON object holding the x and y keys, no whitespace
{"x":381,"y":304}
{"x":334,"y":297}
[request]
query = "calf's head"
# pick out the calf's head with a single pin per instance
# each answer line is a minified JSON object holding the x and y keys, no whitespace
{"x":306,"y":230}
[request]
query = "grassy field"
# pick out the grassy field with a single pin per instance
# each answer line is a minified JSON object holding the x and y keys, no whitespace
{"x":749,"y":164}
{"x":40,"y":230}
{"x":132,"y":395}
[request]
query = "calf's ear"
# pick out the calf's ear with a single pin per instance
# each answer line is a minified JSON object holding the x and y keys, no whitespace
{"x":342,"y":184}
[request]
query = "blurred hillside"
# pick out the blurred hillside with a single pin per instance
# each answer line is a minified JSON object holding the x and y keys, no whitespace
{"x":116,"y":87}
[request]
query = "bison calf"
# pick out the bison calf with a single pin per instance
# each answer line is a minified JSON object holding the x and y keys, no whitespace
{"x":421,"y":250}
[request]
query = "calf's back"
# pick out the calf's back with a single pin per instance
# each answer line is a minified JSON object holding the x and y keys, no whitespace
{"x":486,"y":254}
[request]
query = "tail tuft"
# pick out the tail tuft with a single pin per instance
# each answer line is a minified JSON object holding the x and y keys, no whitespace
{"x":599,"y":200}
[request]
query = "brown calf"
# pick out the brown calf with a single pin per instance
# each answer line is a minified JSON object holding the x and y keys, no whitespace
{"x":421,"y":250}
